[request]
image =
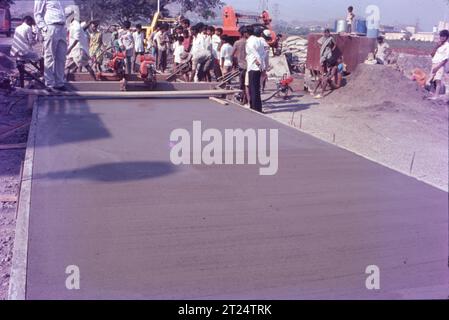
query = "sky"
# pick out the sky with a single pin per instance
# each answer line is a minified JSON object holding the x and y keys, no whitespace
{"x":428,"y":12}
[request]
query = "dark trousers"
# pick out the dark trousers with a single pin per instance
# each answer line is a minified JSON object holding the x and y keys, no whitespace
{"x":254,"y":90}
{"x":242,"y":80}
{"x":162,"y":60}
{"x":217,"y":69}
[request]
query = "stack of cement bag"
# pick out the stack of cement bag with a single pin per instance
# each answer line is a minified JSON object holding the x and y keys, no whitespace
{"x":297,"y":46}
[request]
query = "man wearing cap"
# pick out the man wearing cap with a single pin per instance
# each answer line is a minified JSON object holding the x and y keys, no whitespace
{"x":51,"y":20}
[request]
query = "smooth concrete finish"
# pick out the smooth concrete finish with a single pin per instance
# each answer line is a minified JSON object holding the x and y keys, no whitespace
{"x":106,"y":198}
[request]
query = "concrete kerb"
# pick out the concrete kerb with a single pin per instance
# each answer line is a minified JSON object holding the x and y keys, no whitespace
{"x":17,"y":284}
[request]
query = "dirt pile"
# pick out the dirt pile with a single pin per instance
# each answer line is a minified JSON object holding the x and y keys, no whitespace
{"x":377,"y":83}
{"x":381,"y":89}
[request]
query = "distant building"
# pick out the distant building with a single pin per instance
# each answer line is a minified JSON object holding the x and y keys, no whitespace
{"x":412,"y":30}
{"x":316,"y":29}
{"x":385,"y":28}
{"x":395,"y":36}
{"x":424,"y":36}
{"x":443,"y":25}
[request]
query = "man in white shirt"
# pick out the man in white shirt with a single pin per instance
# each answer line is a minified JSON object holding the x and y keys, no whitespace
{"x":178,"y":50}
{"x":51,"y":20}
{"x":440,"y":58}
{"x":78,"y":51}
{"x":226,"y":59}
{"x":382,"y":51}
{"x":162,"y":40}
{"x":22,"y":45}
{"x":200,"y":51}
{"x":255,"y":58}
{"x":266,"y":36}
{"x":216,"y":46}
{"x":139,"y":47}
{"x":350,"y":18}
{"x":126,"y":42}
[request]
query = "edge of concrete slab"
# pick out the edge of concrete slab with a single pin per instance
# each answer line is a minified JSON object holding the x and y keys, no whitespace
{"x":344,"y":148}
{"x":17,"y":284}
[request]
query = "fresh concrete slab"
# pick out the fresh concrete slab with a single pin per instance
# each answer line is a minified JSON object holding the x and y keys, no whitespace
{"x":106,"y":198}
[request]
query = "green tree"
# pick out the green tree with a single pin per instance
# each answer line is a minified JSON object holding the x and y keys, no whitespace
{"x":121,"y":10}
{"x":6,"y":2}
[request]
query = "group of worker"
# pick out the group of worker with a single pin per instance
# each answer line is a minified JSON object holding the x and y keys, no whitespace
{"x":204,"y":53}
{"x":60,"y":55}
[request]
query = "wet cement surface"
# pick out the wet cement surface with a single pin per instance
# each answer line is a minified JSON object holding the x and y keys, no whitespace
{"x":106,"y":198}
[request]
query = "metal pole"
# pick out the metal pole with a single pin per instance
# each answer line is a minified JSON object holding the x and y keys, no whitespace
{"x":158,"y":5}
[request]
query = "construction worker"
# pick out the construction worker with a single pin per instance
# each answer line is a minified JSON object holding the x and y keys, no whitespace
{"x":350,"y":19}
{"x":96,"y":45}
{"x":265,"y":37}
{"x":51,"y":21}
{"x":255,"y":59}
{"x":22,"y":45}
{"x":139,"y":46}
{"x":382,"y":51}
{"x":226,"y":59}
{"x":440,"y":60}
{"x":126,"y":42}
{"x":216,"y":35}
{"x":78,"y":51}
{"x":239,"y":54}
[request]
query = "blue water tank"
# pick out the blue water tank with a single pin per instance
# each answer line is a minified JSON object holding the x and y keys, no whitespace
{"x":360,"y":26}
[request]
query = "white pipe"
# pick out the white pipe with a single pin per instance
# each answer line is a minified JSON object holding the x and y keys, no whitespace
{"x":128,"y":94}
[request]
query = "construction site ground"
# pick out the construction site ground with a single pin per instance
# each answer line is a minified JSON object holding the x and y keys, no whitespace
{"x":388,"y":123}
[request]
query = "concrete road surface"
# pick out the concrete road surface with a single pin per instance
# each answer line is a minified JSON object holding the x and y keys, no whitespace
{"x":106,"y":199}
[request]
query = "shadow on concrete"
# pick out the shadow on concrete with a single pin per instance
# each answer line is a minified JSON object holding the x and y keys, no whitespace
{"x":68,"y":121}
{"x":290,"y":107}
{"x":115,"y":172}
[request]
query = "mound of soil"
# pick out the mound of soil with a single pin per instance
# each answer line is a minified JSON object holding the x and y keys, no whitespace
{"x":377,"y":83}
{"x":377,"y":88}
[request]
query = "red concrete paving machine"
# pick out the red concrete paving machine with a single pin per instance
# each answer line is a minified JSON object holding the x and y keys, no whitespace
{"x":117,"y":69}
{"x":233,"y":21}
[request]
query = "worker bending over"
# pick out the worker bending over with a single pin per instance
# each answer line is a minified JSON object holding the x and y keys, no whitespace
{"x":24,"y":40}
{"x":78,"y":52}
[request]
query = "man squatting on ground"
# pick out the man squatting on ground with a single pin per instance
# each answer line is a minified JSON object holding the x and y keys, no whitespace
{"x":23,"y":41}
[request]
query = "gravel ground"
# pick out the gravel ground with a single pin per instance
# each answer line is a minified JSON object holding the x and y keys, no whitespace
{"x":397,"y":129}
{"x":10,"y":164}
